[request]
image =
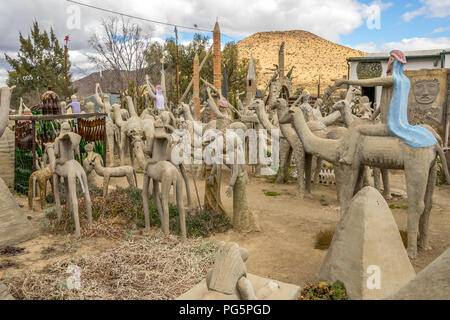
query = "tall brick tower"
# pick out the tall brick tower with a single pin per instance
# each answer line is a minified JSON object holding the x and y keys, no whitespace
{"x":217,"y":68}
{"x":196,"y":96}
{"x":216,"y":58}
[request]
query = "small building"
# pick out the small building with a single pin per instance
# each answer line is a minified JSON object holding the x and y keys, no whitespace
{"x":429,"y":73}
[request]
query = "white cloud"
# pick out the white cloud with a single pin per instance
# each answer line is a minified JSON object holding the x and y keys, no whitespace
{"x":410,"y":44}
{"x":328,"y":18}
{"x":366,"y":47}
{"x":3,"y":77}
{"x":430,"y":9}
{"x":439,"y":30}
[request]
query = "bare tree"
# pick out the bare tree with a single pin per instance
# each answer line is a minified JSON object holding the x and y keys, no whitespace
{"x":121,"y":47}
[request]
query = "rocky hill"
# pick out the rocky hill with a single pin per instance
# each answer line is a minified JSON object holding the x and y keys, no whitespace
{"x":310,"y":54}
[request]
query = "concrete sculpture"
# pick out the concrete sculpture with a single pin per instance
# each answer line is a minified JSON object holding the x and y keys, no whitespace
{"x":162,"y":173}
{"x":96,"y":163}
{"x":14,"y":226}
{"x":229,"y":280}
{"x":386,"y":153}
{"x":244,"y":219}
{"x":367,"y":238}
{"x":432,"y":283}
{"x":41,"y":177}
{"x":63,"y":163}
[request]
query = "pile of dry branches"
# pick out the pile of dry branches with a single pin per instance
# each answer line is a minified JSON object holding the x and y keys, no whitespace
{"x":156,"y":268}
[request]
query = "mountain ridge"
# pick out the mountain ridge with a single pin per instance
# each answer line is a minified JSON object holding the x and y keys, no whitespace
{"x":310,"y":54}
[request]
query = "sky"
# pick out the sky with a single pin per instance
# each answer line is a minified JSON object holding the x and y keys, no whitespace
{"x":367,"y":25}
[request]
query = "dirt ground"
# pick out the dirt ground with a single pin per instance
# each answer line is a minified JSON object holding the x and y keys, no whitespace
{"x":284,"y":250}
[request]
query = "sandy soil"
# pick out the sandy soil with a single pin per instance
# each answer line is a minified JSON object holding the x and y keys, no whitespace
{"x":284,"y":250}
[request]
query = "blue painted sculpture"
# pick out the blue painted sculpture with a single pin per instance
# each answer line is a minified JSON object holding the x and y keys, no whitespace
{"x":413,"y":136}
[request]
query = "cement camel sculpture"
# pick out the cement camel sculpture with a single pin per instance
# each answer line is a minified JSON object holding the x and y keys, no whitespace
{"x":351,"y":120}
{"x":387,"y":153}
{"x":70,"y":170}
{"x":96,"y":164}
{"x":161,"y":152}
{"x":165,"y":173}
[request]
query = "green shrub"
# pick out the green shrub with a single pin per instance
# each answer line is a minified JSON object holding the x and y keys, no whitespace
{"x":324,"y":291}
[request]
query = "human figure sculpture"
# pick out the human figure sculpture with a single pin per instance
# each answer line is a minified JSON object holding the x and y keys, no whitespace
{"x":244,"y":219}
{"x":212,"y":200}
{"x":393,"y":108}
{"x":74,"y":106}
{"x":62,"y":162}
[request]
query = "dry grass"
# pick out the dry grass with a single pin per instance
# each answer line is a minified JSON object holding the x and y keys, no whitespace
{"x":157,"y":268}
{"x":323,"y":239}
{"x":121,"y":214}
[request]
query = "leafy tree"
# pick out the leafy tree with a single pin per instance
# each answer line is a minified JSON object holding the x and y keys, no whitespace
{"x":236,"y":68}
{"x":39,"y":63}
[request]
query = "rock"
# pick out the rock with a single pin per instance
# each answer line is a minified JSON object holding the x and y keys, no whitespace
{"x":285,"y":291}
{"x":14,"y":225}
{"x":7,"y":150}
{"x":365,"y":245}
{"x":432,"y":283}
{"x":4,"y":293}
{"x":229,"y":280}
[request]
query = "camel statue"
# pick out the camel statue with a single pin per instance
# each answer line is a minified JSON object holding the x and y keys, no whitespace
{"x":71,"y":170}
{"x":40,"y":177}
{"x":162,"y":151}
{"x":96,"y":164}
{"x":351,"y":120}
{"x":385,"y":152}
